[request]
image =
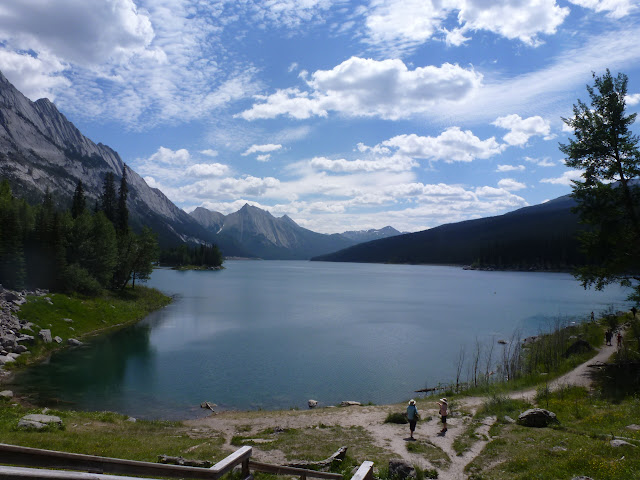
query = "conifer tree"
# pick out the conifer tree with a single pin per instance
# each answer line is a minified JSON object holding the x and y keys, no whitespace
{"x":79,"y":203}
{"x":123,"y":211}
{"x":108,"y":202}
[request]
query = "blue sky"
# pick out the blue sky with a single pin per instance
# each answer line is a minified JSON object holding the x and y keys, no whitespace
{"x":344,"y":115}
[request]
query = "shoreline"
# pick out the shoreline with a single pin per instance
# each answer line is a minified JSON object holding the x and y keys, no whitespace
{"x":27,"y":343}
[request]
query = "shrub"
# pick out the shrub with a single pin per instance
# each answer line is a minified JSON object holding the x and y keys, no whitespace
{"x":77,"y":279}
{"x":396,"y":417}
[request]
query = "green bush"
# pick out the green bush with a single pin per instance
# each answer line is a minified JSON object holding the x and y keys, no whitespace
{"x":396,"y":417}
{"x":78,"y":280}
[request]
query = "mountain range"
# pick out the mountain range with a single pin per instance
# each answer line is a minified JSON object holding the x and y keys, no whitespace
{"x":40,"y":150}
{"x":266,"y":236}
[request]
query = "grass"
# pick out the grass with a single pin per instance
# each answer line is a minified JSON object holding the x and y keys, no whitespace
{"x":431,"y":452}
{"x":110,"y":434}
{"x":578,"y":446}
{"x":89,"y":315}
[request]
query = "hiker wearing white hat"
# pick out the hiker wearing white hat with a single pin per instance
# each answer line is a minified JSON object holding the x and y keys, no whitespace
{"x":443,"y":413}
{"x":412,"y":416}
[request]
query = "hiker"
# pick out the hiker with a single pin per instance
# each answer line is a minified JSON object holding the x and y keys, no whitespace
{"x":608,"y":336}
{"x":443,"y":413}
{"x":619,"y":338}
{"x":634,"y":310}
{"x":592,"y":316}
{"x":412,"y":416}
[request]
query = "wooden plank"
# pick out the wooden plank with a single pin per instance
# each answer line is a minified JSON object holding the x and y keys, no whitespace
{"x":364,"y":472}
{"x":36,"y":457}
{"x":294,"y":471}
{"x":21,"y":473}
{"x":226,"y":464}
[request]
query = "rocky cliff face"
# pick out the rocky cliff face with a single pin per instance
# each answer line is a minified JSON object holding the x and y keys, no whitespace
{"x":40,"y":149}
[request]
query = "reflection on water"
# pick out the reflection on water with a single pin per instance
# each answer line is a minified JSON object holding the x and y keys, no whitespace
{"x":275,"y":334}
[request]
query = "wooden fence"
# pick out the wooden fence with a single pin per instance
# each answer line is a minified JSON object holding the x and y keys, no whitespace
{"x":91,"y":467}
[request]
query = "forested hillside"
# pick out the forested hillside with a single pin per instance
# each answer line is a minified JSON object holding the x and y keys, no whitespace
{"x":541,"y":237}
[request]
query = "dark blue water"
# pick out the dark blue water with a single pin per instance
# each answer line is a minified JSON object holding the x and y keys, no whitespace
{"x":273,"y":334}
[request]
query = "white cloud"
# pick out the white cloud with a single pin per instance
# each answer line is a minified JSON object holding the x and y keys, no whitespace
{"x":138,"y":66}
{"x":398,"y":26}
{"x":565,"y":179}
{"x":396,"y":163}
{"x":366,"y":87}
{"x":86,"y":33}
{"x":546,"y":162}
{"x":632,"y":99}
{"x":511,"y":185}
{"x":510,"y":168}
{"x":614,"y":8}
{"x":452,"y":145}
{"x":522,"y":129}
{"x":263,"y":158}
{"x":270,"y":147}
{"x":35,"y":77}
{"x":514,"y":19}
{"x":207,"y":170}
{"x":170,"y":157}
{"x":209,"y":152}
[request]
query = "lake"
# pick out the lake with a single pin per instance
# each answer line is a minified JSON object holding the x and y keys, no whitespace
{"x":274,"y":334}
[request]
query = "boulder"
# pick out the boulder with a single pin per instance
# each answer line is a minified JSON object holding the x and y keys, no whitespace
{"x":45,"y":335}
{"x":20,"y":349}
{"x":537,"y":417}
{"x":39,"y":421}
{"x":350,"y":403}
{"x":6,"y":394}
{"x":68,"y":320}
{"x":57,"y":339}
{"x":74,"y":342}
{"x":620,"y":443}
{"x":508,"y":419}
{"x":25,"y":339}
{"x":633,"y":427}
{"x":312,"y":403}
{"x":6,"y":359}
{"x":399,"y":469}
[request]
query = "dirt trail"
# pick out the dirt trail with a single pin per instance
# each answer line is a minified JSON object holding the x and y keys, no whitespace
{"x":390,"y":437}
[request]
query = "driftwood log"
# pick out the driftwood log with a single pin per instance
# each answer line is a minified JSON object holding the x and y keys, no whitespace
{"x":208,"y":405}
{"x":185,"y":462}
{"x":336,"y":457}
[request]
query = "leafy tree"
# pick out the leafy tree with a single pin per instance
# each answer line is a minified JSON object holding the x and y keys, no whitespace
{"x":608,"y":197}
{"x":146,"y":254}
{"x":79,"y":203}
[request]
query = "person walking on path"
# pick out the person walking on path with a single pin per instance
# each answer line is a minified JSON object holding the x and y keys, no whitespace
{"x":443,"y":413}
{"x":412,"y":416}
{"x":619,"y":338}
{"x":608,"y":336}
{"x":634,"y":310}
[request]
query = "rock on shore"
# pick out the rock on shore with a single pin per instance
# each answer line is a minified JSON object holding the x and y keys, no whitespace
{"x":12,"y":342}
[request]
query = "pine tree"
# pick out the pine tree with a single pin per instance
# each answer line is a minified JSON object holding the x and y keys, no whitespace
{"x":123,"y":211}
{"x":79,"y":203}
{"x":108,"y":203}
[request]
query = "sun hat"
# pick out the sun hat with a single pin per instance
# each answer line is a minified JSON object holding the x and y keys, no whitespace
{"x":444,"y":400}
{"x":412,"y":402}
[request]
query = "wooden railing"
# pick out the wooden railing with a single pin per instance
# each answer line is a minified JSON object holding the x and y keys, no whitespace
{"x":36,"y":457}
{"x":91,"y":467}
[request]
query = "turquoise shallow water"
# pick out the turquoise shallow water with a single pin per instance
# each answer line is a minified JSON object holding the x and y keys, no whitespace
{"x":273,"y":334}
